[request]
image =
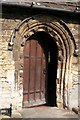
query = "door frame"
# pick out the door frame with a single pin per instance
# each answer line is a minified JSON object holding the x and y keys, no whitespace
{"x":48,"y":46}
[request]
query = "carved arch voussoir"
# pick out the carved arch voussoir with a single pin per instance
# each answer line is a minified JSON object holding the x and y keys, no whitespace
{"x":49,"y":24}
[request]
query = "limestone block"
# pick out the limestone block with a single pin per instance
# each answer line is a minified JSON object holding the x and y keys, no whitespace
{"x":9,"y":24}
{"x":73,"y":97}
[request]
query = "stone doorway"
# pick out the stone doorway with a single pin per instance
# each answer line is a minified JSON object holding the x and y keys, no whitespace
{"x":63,"y":43}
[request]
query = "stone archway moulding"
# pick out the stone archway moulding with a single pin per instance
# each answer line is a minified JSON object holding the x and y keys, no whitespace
{"x":64,"y":39}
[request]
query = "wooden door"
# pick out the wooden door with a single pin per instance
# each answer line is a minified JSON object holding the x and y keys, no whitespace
{"x":34,"y":74}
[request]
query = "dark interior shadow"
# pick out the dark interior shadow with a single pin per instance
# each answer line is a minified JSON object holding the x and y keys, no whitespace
{"x":52,"y":73}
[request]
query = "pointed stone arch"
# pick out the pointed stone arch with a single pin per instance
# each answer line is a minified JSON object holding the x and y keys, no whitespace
{"x":62,"y":36}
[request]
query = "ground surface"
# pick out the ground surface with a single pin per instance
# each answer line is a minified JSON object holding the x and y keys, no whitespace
{"x":44,"y":112}
{"x":47,"y":112}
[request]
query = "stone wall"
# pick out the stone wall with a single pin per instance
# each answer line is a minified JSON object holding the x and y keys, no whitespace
{"x":8,"y":90}
{"x":79,"y":67}
{"x":10,"y":87}
{"x":74,"y":81}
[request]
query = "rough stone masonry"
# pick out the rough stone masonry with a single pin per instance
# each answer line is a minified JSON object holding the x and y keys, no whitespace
{"x":11,"y":83}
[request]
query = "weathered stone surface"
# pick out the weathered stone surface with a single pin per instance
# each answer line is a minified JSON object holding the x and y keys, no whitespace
{"x":11,"y":79}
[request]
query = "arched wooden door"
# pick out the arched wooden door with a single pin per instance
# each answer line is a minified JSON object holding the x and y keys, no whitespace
{"x":34,"y":74}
